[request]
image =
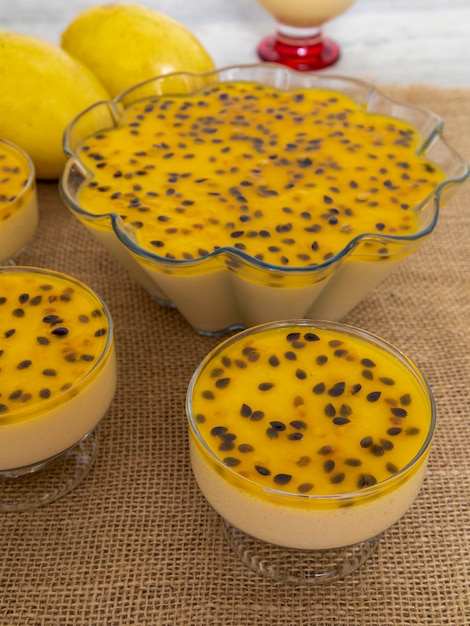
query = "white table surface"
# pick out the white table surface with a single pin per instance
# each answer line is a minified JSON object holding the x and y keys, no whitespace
{"x":383,"y":41}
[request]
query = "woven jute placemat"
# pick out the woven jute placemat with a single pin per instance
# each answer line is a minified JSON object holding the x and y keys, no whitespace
{"x":136,"y":543}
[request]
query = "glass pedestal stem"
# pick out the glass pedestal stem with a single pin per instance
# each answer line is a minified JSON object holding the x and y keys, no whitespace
{"x":303,"y":49}
{"x":296,"y":566}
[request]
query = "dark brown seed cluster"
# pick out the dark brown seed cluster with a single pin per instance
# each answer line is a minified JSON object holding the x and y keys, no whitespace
{"x":355,"y":416}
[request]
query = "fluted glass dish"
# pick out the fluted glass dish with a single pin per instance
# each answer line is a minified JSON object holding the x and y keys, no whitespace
{"x":227,"y":288}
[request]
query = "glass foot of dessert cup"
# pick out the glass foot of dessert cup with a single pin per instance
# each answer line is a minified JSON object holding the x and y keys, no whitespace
{"x":26,"y":488}
{"x":298,"y":567}
{"x":306,"y":53}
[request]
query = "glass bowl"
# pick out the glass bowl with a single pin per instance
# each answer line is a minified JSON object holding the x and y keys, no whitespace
{"x":223,"y":285}
{"x":310,"y":439}
{"x":18,"y":200}
{"x":58,"y":379}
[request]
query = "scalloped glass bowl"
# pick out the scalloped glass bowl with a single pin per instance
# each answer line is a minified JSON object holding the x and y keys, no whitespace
{"x":18,"y":213}
{"x":228,"y":288}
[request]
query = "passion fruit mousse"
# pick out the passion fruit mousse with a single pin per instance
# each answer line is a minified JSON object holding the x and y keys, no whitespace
{"x":57,"y":364}
{"x":311,"y":435}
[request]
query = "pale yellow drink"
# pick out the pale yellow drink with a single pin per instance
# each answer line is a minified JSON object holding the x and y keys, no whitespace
{"x":305,"y":13}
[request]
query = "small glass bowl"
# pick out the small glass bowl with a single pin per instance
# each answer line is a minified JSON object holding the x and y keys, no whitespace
{"x":229,"y":289}
{"x":310,"y":439}
{"x":18,"y":210}
{"x":58,"y":385}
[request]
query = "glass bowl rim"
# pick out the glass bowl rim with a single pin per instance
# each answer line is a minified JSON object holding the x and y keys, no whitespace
{"x":51,"y":403}
{"x":354,"y":331}
{"x":116,"y":108}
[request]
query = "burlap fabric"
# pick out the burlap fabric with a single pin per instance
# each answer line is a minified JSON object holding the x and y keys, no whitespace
{"x":136,"y":543}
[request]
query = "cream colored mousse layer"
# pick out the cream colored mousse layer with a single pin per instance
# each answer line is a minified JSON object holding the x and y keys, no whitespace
{"x":309,"y":436}
{"x":18,"y":201}
{"x":57,"y":364}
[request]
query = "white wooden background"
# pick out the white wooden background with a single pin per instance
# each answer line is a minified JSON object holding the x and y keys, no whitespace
{"x":383,"y":41}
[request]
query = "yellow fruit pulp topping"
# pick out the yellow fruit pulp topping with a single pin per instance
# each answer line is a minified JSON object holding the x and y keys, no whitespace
{"x":53,"y":333}
{"x":15,"y":176}
{"x":310,"y":411}
{"x":289,"y":177}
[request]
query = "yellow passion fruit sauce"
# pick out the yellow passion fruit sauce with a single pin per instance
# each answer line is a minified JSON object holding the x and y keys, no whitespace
{"x":289,"y":177}
{"x":57,"y":371}
{"x":310,"y":412}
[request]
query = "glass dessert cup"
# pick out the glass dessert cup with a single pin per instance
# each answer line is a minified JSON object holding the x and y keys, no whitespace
{"x":26,"y":488}
{"x":58,"y":376}
{"x":305,"y":489}
{"x":18,"y":201}
{"x":249,"y":290}
{"x":299,"y":41}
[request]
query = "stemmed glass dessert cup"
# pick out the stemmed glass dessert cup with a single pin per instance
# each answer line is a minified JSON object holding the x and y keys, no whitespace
{"x":299,"y":41}
{"x":58,"y":379}
{"x":309,"y":439}
{"x":18,"y":201}
{"x":251,"y":288}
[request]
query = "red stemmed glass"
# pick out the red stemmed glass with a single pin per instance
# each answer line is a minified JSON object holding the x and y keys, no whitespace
{"x":299,"y":41}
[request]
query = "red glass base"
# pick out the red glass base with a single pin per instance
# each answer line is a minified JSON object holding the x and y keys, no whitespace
{"x":301,"y":55}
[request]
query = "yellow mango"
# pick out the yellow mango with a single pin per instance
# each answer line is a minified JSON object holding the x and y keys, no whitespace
{"x":124,"y":44}
{"x":43,"y":89}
